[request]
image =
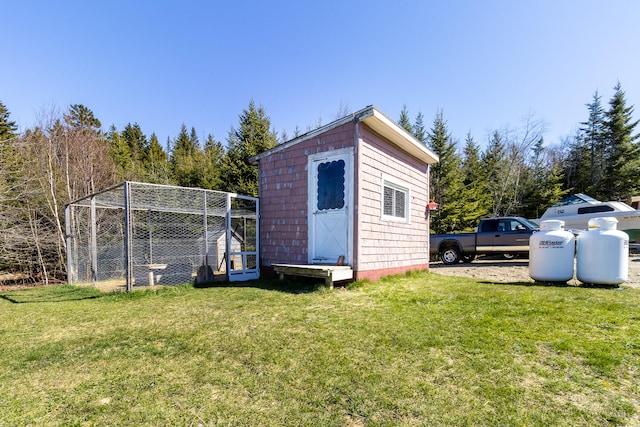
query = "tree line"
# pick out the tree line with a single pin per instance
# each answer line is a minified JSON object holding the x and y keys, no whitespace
{"x":518,"y":174}
{"x":68,"y":156}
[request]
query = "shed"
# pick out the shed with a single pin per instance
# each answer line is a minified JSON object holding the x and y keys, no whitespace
{"x":352,"y":193}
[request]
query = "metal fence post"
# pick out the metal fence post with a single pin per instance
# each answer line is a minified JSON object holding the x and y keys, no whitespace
{"x":93,"y":242}
{"x":206,"y":234}
{"x":128,"y":231}
{"x":227,"y":249}
{"x":67,"y":230}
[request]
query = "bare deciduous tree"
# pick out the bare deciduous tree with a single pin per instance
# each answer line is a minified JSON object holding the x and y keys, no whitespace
{"x":42,"y":170}
{"x":507,"y":188}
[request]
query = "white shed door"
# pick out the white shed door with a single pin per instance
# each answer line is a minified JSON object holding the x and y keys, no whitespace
{"x":330,"y":207}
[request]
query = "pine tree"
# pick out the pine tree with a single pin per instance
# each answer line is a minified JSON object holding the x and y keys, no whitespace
{"x":81,"y":117}
{"x":494,"y":162}
{"x":129,"y":149}
{"x":120,"y":153}
{"x":11,"y":212}
{"x":445,"y":187}
{"x":622,"y":170}
{"x":9,"y":157}
{"x":478,"y":200}
{"x":584,"y":163}
{"x":593,"y":147}
{"x":187,"y":159}
{"x":137,"y":142}
{"x":251,"y":138}
{"x":8,"y":127}
{"x":213,"y":154}
{"x":8,"y":151}
{"x":419,"y":130}
{"x":404,"y":121}
{"x":471,"y":162}
{"x":576,"y":165}
{"x":156,"y":163}
{"x":542,"y":183}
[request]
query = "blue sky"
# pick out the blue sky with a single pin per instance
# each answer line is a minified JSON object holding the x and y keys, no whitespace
{"x":485,"y":64}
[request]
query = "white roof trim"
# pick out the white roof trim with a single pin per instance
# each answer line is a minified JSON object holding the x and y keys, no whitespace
{"x":384,"y":126}
{"x":378,"y":122}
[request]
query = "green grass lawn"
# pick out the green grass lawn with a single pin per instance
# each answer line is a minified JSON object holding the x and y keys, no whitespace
{"x":420,"y":349}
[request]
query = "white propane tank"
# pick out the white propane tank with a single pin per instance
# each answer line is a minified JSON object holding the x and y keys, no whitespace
{"x":551,"y":253}
{"x":602,"y":253}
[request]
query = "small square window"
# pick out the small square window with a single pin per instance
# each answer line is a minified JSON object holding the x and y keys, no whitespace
{"x":394,"y":202}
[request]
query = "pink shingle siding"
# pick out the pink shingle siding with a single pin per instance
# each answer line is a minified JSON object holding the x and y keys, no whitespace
{"x":283,"y":184}
{"x":390,"y":245}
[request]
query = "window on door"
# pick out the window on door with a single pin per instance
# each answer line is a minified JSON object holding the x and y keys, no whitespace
{"x":395,"y":201}
{"x":331,"y":182}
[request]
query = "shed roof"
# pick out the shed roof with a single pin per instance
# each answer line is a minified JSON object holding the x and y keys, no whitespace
{"x":378,"y":122}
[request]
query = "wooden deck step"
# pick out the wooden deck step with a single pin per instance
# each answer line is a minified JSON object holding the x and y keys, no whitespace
{"x":330,"y":273}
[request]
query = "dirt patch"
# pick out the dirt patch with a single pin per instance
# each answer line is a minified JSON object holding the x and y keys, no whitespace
{"x":19,"y":281}
{"x":516,"y":270}
{"x":22,"y":286}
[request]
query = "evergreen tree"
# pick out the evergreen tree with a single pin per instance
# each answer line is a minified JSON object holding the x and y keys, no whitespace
{"x":8,"y":152}
{"x":622,"y":171}
{"x":120,"y":153}
{"x":471,"y":166}
{"x":584,"y":164}
{"x":9,"y":165}
{"x":8,"y":127}
{"x":446,"y":187}
{"x":553,"y":190}
{"x":187,"y":159}
{"x":11,"y":212}
{"x":576,"y":165}
{"x":137,"y":142}
{"x":251,"y":138}
{"x":129,"y":150}
{"x":81,"y":117}
{"x":494,"y":162}
{"x":533,"y":178}
{"x":593,"y":147}
{"x":542,"y":184}
{"x":195,"y":142}
{"x":478,"y":200}
{"x":213,"y":154}
{"x":419,"y":130}
{"x":156,"y":163}
{"x":404,"y":121}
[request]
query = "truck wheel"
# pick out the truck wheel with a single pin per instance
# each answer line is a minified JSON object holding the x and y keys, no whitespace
{"x":450,"y":255}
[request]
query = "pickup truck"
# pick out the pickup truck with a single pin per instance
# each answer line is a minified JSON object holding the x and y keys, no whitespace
{"x":506,"y":236}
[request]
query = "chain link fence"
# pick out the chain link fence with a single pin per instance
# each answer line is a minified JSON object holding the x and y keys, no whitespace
{"x":137,"y":234}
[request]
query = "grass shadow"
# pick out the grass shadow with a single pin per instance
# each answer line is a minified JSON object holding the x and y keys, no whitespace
{"x":45,"y":294}
{"x":291,"y":285}
{"x":554,"y":285}
{"x":530,"y":284}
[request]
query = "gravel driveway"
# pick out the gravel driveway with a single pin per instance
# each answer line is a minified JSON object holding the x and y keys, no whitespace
{"x":498,"y":270}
